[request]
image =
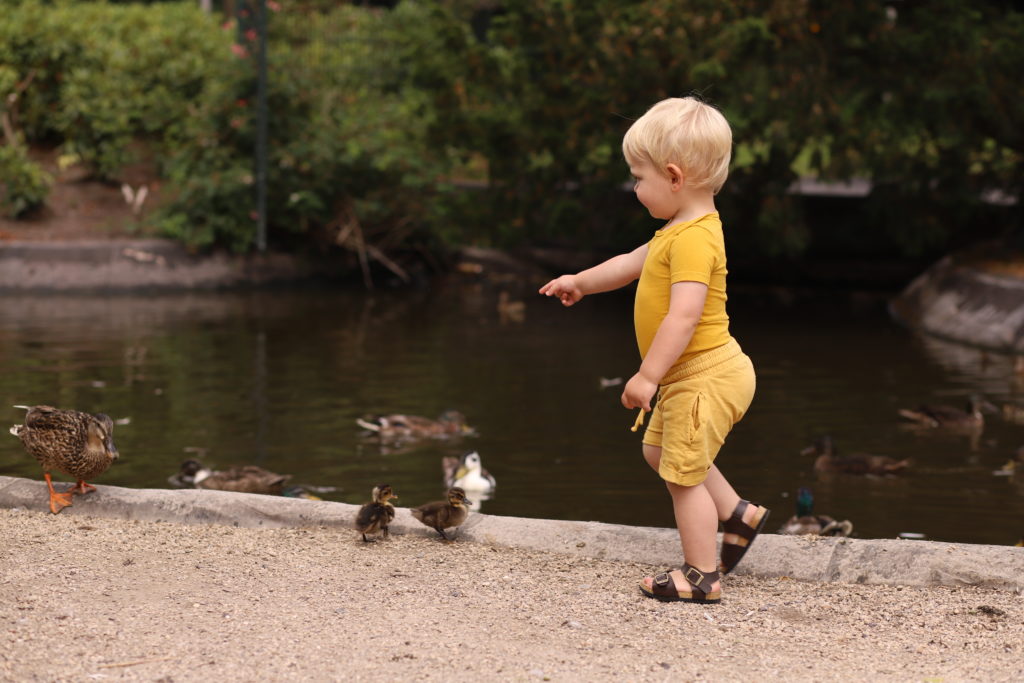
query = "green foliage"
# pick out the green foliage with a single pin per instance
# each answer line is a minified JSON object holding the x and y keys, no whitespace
{"x":373,"y":111}
{"x":107,"y":76}
{"x":23,"y":184}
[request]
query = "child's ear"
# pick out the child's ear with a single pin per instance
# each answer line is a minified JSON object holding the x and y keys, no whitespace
{"x":675,"y":176}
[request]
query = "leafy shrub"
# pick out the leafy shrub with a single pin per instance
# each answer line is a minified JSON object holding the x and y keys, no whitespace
{"x":23,"y":184}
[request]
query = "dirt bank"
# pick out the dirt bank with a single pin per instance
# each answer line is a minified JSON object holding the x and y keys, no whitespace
{"x":86,"y":599}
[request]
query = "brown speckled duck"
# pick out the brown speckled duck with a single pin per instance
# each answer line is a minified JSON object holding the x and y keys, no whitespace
{"x":378,"y":513}
{"x":444,"y":514}
{"x":947,"y":417}
{"x":241,"y":479}
{"x":826,"y":460}
{"x":76,"y":443}
{"x":392,"y":428}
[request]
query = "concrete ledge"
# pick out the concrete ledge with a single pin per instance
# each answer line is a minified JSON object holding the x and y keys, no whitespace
{"x":115,"y":265}
{"x":882,"y":562}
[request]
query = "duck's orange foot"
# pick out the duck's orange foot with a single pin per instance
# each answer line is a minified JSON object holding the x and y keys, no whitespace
{"x":81,"y":487}
{"x":59,"y":501}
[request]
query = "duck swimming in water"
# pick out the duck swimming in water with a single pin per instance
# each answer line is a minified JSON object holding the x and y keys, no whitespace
{"x":241,"y":479}
{"x":806,"y":522}
{"x":76,"y":443}
{"x":468,"y":474}
{"x":948,"y":417}
{"x":826,"y":460}
{"x":399,"y":428}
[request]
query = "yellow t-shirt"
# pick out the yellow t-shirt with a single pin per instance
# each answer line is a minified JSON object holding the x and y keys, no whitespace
{"x":693,"y":251}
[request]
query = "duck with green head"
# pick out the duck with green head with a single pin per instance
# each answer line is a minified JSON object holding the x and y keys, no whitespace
{"x":806,"y":522}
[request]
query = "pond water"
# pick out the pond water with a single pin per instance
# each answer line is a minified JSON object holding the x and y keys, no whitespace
{"x":278,"y":379}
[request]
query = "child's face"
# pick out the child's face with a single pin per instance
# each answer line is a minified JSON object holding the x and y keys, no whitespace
{"x":654,"y":190}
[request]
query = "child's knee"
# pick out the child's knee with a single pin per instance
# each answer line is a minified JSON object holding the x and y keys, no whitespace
{"x":652,"y":454}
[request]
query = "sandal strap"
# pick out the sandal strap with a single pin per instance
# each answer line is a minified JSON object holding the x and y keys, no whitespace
{"x":701,"y":582}
{"x":736,"y":525}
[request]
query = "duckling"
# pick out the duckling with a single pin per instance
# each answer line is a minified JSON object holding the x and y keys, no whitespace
{"x":948,"y":416}
{"x":858,"y":463}
{"x":444,"y":514}
{"x":377,"y":514}
{"x":806,"y":522}
{"x":1013,"y":413}
{"x":1014,"y":467}
{"x":241,"y":479}
{"x":510,"y":311}
{"x":409,"y":427}
{"x":467,"y":473}
{"x":76,"y":443}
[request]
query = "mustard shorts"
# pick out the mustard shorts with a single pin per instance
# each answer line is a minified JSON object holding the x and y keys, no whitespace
{"x":698,"y":404}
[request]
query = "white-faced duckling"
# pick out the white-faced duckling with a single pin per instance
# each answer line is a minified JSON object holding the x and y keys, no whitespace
{"x":391,"y":428}
{"x":76,"y":443}
{"x":240,"y":479}
{"x":378,"y":513}
{"x":858,"y":463}
{"x":806,"y":522}
{"x":467,"y":473}
{"x":942,"y":416}
{"x":444,"y":514}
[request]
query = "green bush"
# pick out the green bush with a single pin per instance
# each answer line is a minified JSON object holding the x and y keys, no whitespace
{"x":106,"y":76}
{"x":23,"y":184}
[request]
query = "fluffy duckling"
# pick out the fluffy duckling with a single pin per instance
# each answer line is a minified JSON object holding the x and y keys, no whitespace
{"x":510,"y":311}
{"x":858,"y":463}
{"x":378,"y":513}
{"x":949,"y":417}
{"x":410,"y":427}
{"x":444,"y":514}
{"x":467,"y":473}
{"x":76,"y":443}
{"x":1014,"y":467}
{"x":806,"y":522}
{"x":241,"y":479}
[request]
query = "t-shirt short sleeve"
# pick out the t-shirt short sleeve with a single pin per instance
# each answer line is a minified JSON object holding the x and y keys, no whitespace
{"x":691,"y":257}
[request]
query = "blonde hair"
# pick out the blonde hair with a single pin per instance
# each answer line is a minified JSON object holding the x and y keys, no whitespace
{"x":686,"y":132}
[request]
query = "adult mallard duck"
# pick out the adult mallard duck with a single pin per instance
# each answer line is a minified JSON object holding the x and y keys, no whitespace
{"x":76,"y":443}
{"x":241,"y":479}
{"x":942,"y":416}
{"x":377,"y":514}
{"x":806,"y":522}
{"x":444,"y":514}
{"x":396,"y":427}
{"x":826,"y":460}
{"x":467,"y":473}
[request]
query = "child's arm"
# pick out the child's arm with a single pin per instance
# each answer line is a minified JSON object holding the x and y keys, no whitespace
{"x":673,"y":336}
{"x":616,"y":272}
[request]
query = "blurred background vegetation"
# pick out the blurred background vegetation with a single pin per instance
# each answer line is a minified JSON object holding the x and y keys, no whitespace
{"x":410,"y":127}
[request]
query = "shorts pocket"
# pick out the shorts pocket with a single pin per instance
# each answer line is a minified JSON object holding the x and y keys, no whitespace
{"x":698,"y":416}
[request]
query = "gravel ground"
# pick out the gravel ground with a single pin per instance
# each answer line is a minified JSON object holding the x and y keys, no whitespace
{"x":84,"y":599}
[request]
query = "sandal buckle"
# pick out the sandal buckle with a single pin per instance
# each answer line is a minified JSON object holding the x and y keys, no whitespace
{"x":661,"y":579}
{"x":689,"y":572}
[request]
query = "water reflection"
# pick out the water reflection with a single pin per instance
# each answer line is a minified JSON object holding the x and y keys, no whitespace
{"x":279,"y":380}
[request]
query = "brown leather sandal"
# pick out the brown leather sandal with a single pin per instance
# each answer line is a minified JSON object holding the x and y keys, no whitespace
{"x":732,"y":553}
{"x":663,"y":587}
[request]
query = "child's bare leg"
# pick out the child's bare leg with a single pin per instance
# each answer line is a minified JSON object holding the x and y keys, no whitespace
{"x":696,"y":519}
{"x":697,"y":522}
{"x":726,"y":499}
